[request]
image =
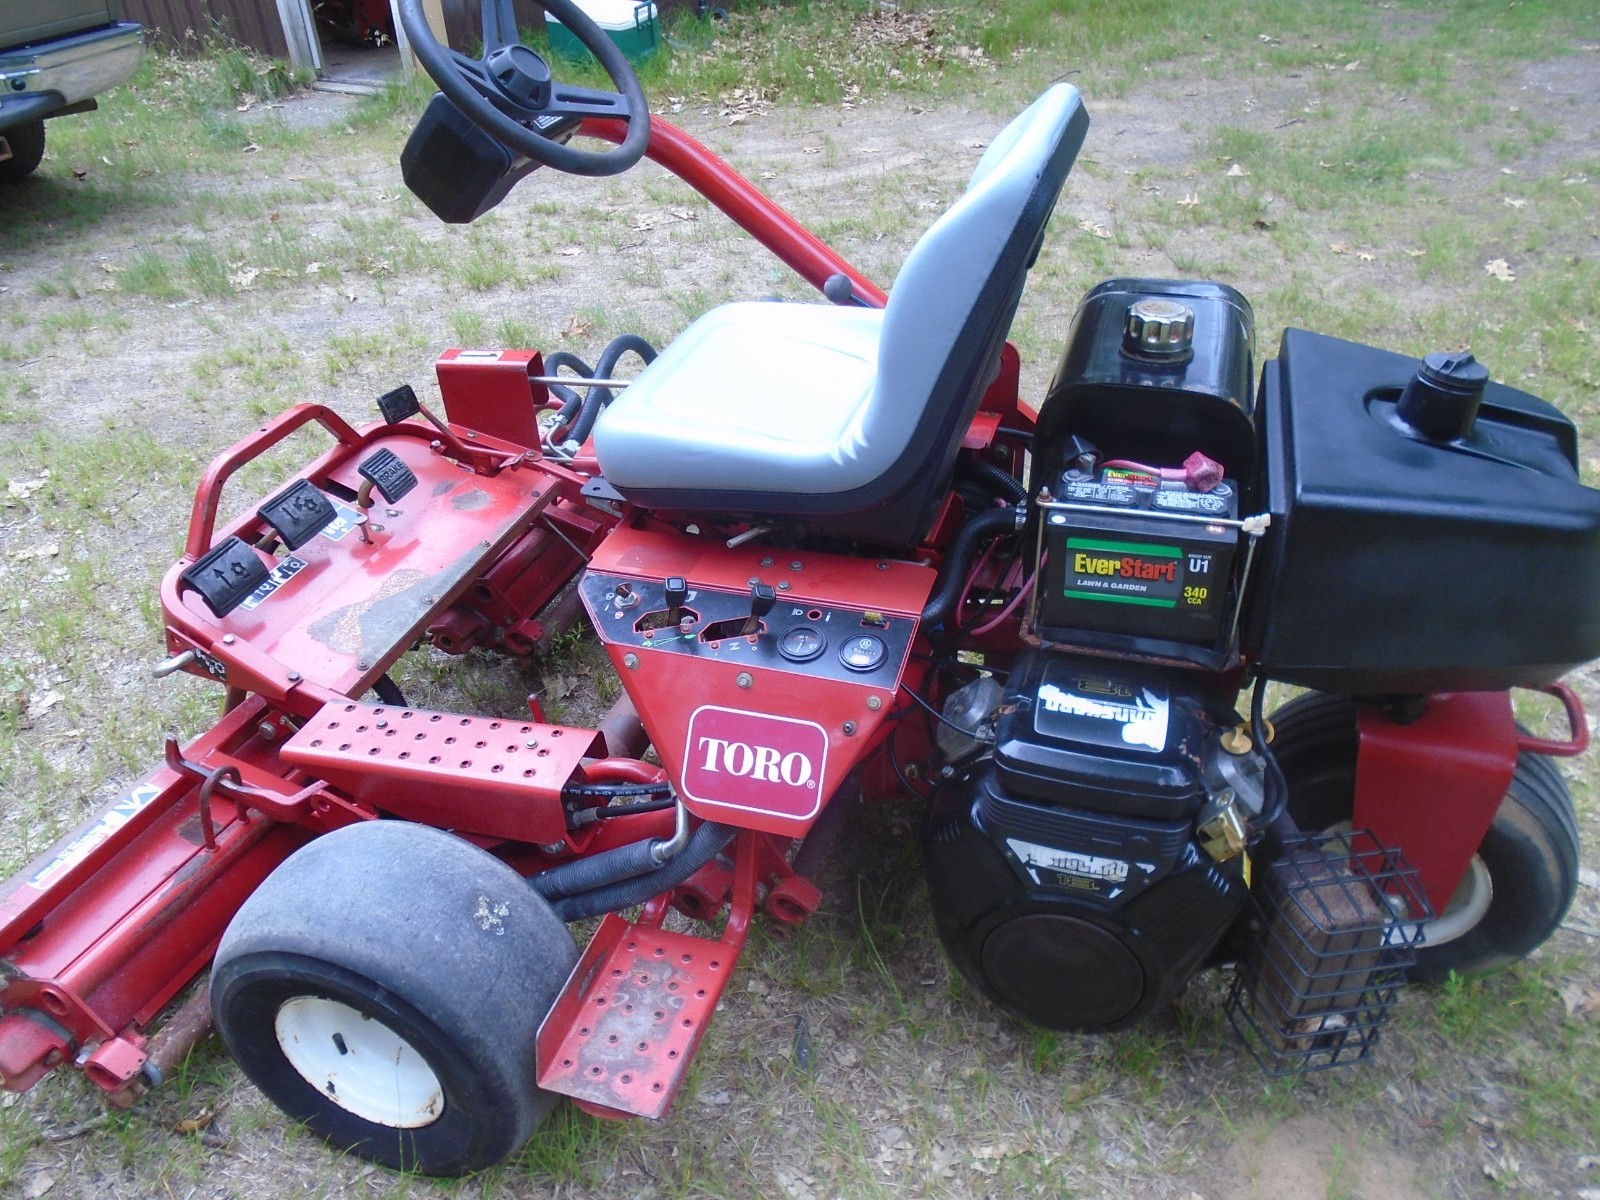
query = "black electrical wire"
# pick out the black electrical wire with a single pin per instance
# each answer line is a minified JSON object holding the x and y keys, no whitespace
{"x":939,"y":716}
{"x":899,"y":772}
{"x":608,"y":791}
{"x":601,"y":812}
{"x":1277,"y":804}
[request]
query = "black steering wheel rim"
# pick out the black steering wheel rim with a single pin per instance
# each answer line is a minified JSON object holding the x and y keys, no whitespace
{"x":469,"y":83}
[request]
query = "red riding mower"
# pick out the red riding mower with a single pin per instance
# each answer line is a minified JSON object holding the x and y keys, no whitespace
{"x":830,"y":553}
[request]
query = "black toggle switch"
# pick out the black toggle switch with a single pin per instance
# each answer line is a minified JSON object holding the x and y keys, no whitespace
{"x":762,"y":597}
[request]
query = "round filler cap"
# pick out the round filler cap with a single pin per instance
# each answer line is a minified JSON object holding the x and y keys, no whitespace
{"x":1159,"y":327}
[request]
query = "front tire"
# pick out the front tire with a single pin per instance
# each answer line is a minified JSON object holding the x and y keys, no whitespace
{"x":1521,"y":881}
{"x":385,"y":986}
{"x":27,"y":151}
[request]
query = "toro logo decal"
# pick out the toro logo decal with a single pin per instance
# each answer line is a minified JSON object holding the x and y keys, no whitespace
{"x":755,"y":762}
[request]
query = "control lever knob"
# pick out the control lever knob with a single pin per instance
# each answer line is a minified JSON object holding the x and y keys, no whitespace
{"x":677,"y":591}
{"x":762,"y":597}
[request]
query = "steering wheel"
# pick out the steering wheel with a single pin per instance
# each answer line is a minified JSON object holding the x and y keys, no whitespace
{"x":511,"y":86}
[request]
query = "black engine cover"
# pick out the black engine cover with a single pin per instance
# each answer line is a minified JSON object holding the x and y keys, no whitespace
{"x":1063,"y":870}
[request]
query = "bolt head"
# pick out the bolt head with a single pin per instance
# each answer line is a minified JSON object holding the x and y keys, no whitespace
{"x":631,"y":661}
{"x":746,"y":680}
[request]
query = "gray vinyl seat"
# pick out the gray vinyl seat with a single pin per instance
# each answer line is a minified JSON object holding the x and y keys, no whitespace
{"x":848,"y":419}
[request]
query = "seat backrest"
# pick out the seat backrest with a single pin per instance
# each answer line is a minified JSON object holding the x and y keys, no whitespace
{"x":953,"y":302}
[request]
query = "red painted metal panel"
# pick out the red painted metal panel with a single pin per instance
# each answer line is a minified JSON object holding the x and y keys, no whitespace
{"x":481,"y":775}
{"x":1432,"y":788}
{"x":348,"y":606}
{"x":621,"y":1035}
{"x":488,"y":391}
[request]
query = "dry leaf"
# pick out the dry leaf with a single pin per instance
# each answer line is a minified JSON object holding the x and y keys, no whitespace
{"x":1516,"y":202}
{"x":42,"y":702}
{"x":1099,"y":231}
{"x":1363,"y":256}
{"x":1501,"y":270}
{"x":243,"y":279}
{"x":250,"y":149}
{"x":1263,"y":224}
{"x":1189,"y":200}
{"x":1415,"y":253}
{"x":313,"y":268}
{"x":197,"y":1122}
{"x":575,"y":329}
{"x":1339,"y":247}
{"x":1351,"y":66}
{"x":569,"y":251}
{"x":810,"y":149}
{"x":39,"y":1185}
{"x":1235,"y":171}
{"x":79,"y":175}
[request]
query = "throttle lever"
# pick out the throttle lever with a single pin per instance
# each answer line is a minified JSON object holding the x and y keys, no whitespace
{"x":762,"y":597}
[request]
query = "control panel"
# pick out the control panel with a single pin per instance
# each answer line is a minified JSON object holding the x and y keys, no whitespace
{"x":760,"y":627}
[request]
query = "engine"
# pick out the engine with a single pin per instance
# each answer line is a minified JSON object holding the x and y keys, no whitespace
{"x":1069,"y":869}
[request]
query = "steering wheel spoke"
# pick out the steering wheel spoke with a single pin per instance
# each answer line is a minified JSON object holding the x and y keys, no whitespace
{"x":570,"y":100}
{"x":499,"y":25}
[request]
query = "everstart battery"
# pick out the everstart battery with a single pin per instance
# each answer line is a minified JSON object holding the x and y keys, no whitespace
{"x":1126,"y":552}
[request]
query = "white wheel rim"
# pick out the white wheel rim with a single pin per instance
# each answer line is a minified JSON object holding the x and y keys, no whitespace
{"x":1466,"y":908}
{"x":358,"y":1063}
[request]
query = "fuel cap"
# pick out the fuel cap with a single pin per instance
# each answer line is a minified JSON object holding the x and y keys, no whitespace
{"x":1159,"y":328}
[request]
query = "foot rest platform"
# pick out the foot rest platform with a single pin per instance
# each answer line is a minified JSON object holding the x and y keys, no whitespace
{"x":620,"y":1036}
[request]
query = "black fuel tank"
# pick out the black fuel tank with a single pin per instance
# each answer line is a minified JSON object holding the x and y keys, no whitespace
{"x":1400,"y":562}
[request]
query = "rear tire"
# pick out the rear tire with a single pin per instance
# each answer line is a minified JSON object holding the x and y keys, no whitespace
{"x":385,"y":986}
{"x":27,"y":151}
{"x":1522,"y":879}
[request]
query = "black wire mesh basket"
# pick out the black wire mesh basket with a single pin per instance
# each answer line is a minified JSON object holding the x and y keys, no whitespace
{"x":1337,"y":922}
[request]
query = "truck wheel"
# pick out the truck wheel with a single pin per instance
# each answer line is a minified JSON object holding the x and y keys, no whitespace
{"x":385,"y":986}
{"x":1520,"y":882}
{"x":27,"y":151}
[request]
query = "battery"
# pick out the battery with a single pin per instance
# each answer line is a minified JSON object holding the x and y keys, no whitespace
{"x":1128,"y":553}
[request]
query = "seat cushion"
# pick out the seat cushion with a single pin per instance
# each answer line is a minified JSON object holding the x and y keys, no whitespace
{"x":752,"y":399}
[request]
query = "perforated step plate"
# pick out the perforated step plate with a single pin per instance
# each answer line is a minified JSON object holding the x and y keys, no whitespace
{"x":622,"y":1033}
{"x":473,"y":774}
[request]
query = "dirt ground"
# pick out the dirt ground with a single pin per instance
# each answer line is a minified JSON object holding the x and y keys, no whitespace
{"x":918,"y":1089}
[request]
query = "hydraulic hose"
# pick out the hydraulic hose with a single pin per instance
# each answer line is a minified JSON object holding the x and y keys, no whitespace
{"x":705,"y":844}
{"x":570,"y":400}
{"x":990,"y":523}
{"x":597,"y":871}
{"x":598,"y":398}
